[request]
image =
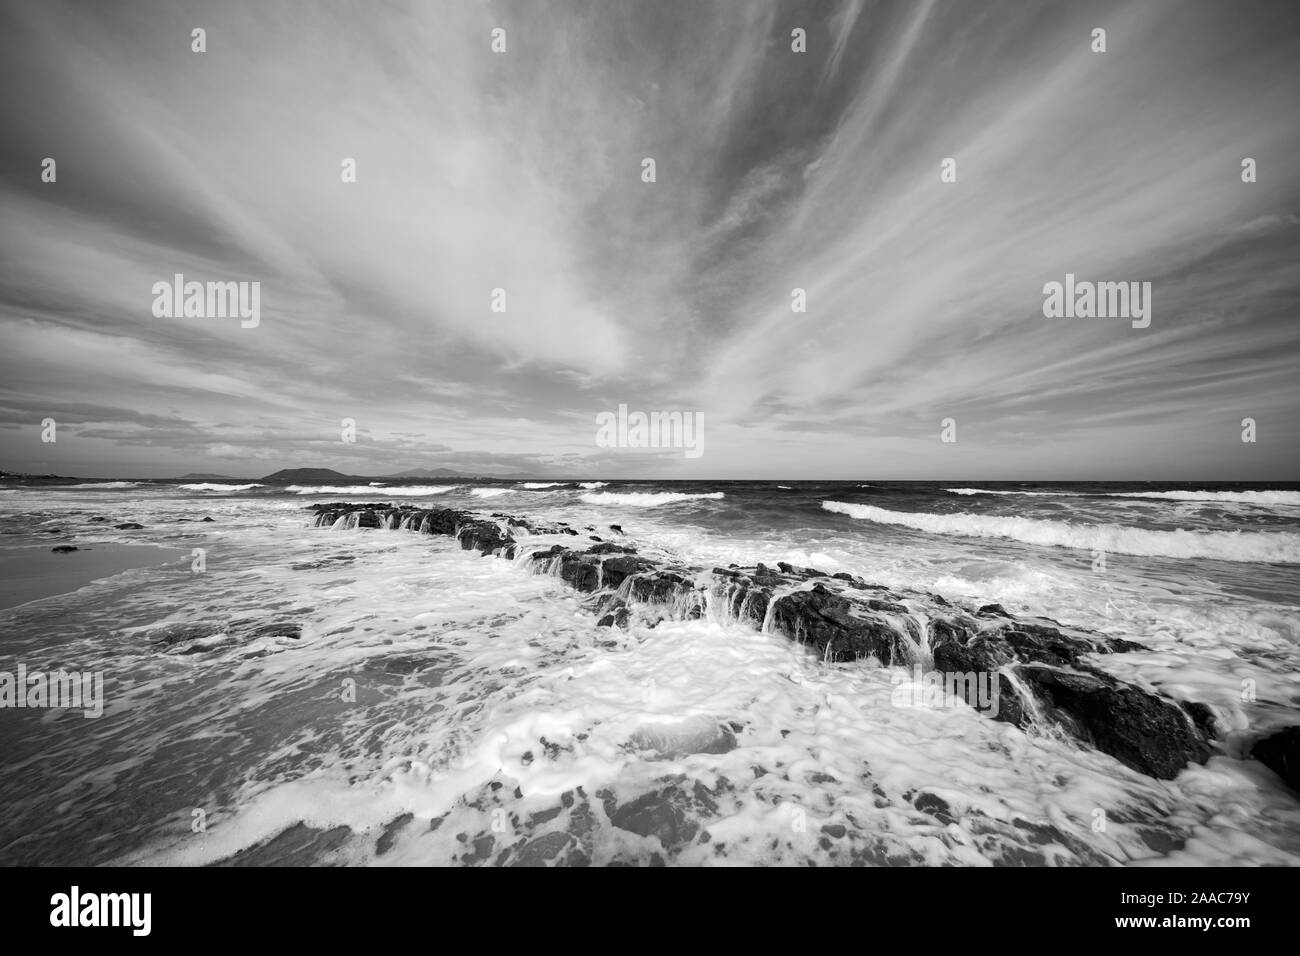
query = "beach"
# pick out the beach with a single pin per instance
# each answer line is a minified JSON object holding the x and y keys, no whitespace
{"x":343,"y":693}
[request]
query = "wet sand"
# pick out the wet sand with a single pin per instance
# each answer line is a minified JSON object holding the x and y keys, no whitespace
{"x":31,"y":573}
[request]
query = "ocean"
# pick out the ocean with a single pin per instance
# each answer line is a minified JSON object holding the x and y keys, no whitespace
{"x":278,"y":692}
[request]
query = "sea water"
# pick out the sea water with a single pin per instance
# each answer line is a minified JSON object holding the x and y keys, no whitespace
{"x":380,"y":696}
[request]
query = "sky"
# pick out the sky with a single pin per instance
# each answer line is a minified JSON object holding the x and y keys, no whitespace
{"x":774,"y":170}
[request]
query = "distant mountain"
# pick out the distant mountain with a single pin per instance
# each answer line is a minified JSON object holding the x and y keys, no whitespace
{"x":289,"y":475}
{"x":299,"y":475}
{"x":426,"y":473}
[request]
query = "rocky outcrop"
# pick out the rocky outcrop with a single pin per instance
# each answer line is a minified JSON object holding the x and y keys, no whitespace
{"x":1043,"y":673}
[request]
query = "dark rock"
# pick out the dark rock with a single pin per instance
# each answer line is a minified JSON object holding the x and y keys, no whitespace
{"x":482,"y":849}
{"x":206,"y":518}
{"x":610,"y":548}
{"x":837,"y":629}
{"x":178,"y":633}
{"x":128,"y":526}
{"x":278,"y":629}
{"x":615,"y":616}
{"x":1150,"y":734}
{"x":935,"y":806}
{"x":385,"y":841}
{"x":64,"y":548}
{"x":1201,"y":716}
{"x":539,"y":851}
{"x":299,"y":845}
{"x":800,"y":572}
{"x":1280,"y":752}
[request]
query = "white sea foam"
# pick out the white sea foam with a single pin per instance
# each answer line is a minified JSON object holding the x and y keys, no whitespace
{"x":1032,"y":494}
{"x":101,"y":485}
{"x":646,"y":499}
{"x":1242,"y":497}
{"x":490,"y":492}
{"x":217,"y":486}
{"x":539,"y":485}
{"x":407,"y":491}
{"x":592,"y":484}
{"x":1267,"y":547}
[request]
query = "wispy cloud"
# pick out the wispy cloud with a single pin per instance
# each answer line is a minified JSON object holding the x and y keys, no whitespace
{"x":776,"y":170}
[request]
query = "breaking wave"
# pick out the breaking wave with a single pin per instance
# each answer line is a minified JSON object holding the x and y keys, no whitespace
{"x":1241,"y":497}
{"x":216,"y":486}
{"x":1265,"y":547}
{"x":1034,"y":494}
{"x":410,"y":491}
{"x":103,"y":485}
{"x":645,"y":499}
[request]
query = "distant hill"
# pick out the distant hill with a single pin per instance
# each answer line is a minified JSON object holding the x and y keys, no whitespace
{"x":290,"y":475}
{"x":203,"y":476}
{"x":300,"y":475}
{"x":426,"y":473}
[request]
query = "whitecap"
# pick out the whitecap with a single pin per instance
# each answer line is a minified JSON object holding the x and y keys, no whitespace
{"x":646,"y":499}
{"x":216,"y":486}
{"x":1267,"y":547}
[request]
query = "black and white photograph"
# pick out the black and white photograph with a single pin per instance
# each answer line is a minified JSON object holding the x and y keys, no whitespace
{"x":651,"y":433}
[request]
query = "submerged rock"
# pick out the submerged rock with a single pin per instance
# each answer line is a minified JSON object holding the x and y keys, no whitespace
{"x":197,"y":637}
{"x":697,"y":735}
{"x":544,"y":850}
